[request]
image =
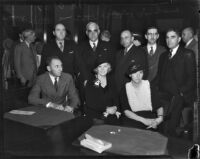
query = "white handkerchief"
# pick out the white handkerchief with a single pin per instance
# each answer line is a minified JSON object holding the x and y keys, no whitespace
{"x":22,"y":112}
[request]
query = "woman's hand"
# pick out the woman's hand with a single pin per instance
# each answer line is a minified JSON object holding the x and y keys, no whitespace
{"x":111,"y":110}
{"x":148,"y":122}
{"x":69,"y":109}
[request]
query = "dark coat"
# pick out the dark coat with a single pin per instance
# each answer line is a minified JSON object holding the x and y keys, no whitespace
{"x":71,"y":62}
{"x":123,"y":61}
{"x":184,"y":72}
{"x":89,"y":56}
{"x":153,"y":62}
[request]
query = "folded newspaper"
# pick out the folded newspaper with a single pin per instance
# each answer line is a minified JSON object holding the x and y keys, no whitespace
{"x":95,"y":144}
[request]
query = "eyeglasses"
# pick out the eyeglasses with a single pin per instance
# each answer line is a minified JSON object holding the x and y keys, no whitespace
{"x":152,"y":33}
{"x":89,"y":31}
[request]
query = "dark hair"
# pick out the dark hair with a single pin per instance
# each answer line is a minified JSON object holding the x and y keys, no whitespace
{"x":174,"y":30}
{"x":151,"y":27}
{"x":49,"y":59}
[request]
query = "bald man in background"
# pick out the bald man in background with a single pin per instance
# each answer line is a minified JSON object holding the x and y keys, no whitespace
{"x":190,"y":42}
{"x":126,"y":56}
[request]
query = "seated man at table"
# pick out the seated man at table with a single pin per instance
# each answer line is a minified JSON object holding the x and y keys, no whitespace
{"x":54,"y":89}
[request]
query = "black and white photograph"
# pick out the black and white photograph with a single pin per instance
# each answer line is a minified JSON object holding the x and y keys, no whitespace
{"x":100,"y":79}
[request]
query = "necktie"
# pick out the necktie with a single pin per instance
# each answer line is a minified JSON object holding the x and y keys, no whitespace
{"x":56,"y":84}
{"x":125,"y":51}
{"x":94,"y":47}
{"x":170,"y":54}
{"x":61,"y":46}
{"x":151,"y":51}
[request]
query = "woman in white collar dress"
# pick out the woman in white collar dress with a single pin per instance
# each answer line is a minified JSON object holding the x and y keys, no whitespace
{"x":139,"y":102}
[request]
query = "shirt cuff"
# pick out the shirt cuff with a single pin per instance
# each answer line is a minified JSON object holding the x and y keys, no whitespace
{"x":48,"y":105}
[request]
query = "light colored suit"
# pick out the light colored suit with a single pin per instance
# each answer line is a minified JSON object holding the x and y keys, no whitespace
{"x":44,"y":92}
{"x":25,"y":61}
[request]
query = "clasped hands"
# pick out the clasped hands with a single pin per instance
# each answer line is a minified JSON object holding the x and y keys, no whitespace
{"x":111,"y":110}
{"x":152,"y":123}
{"x":61,"y":107}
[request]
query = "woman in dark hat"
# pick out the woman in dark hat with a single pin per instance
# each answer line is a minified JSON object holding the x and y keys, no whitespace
{"x":140,"y":103}
{"x":100,"y":95}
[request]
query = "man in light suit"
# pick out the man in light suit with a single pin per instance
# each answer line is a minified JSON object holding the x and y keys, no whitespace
{"x":153,"y":51}
{"x":126,"y":56}
{"x":25,"y":59}
{"x":54,"y":88}
{"x":190,"y":42}
{"x":176,"y":79}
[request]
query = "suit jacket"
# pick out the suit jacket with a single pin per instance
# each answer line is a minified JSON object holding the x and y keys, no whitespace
{"x":153,"y":62}
{"x":44,"y":92}
{"x":184,"y":71}
{"x":136,"y":54}
{"x":194,"y":47}
{"x":89,"y":56}
{"x":71,"y":62}
{"x":25,"y":61}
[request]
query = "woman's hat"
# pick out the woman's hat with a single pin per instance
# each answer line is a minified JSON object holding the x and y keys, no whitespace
{"x":133,"y":68}
{"x":100,"y":60}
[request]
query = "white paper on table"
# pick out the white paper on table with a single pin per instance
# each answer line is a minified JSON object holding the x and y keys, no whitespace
{"x":22,"y":112}
{"x":95,"y":143}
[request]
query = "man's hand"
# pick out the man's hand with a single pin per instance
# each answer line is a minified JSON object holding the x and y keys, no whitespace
{"x":68,"y":109}
{"x":23,"y":81}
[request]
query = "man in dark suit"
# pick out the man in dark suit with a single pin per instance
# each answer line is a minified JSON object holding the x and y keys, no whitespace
{"x":124,"y":57}
{"x":176,"y":79}
{"x":54,"y":88}
{"x":153,"y":51}
{"x":65,"y":50}
{"x":190,"y":42}
{"x":91,"y":49}
{"x":25,"y":59}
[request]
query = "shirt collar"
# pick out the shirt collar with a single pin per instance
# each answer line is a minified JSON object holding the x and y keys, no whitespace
{"x":149,"y":47}
{"x":189,"y":42}
{"x":129,"y":47}
{"x":53,"y":78}
{"x":58,"y":42}
{"x":27,"y":43}
{"x":174,"y":50}
{"x":91,"y":43}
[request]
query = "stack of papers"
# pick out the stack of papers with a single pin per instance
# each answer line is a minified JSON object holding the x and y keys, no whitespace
{"x":95,"y":143}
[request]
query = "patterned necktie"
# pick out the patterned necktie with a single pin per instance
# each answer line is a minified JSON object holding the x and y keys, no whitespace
{"x":61,"y":46}
{"x":170,"y":53}
{"x":151,"y":51}
{"x":94,"y":47}
{"x":56,"y":84}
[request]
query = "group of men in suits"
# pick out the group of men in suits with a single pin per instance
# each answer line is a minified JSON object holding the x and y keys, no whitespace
{"x":171,"y":70}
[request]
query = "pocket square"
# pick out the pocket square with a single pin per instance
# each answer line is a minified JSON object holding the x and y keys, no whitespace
{"x":71,"y":52}
{"x":105,"y":49}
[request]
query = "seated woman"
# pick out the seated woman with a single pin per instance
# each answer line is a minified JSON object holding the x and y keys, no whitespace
{"x":100,"y":95}
{"x":140,"y":103}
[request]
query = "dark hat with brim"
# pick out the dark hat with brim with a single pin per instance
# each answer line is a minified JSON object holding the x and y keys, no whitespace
{"x":133,"y":68}
{"x":100,"y":60}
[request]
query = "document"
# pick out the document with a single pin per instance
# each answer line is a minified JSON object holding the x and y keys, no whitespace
{"x":95,"y":144}
{"x":22,"y":112}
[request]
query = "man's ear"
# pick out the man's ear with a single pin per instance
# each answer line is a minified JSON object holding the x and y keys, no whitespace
{"x":145,"y":36}
{"x":86,"y":32}
{"x":48,"y":68}
{"x":54,"y":33}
